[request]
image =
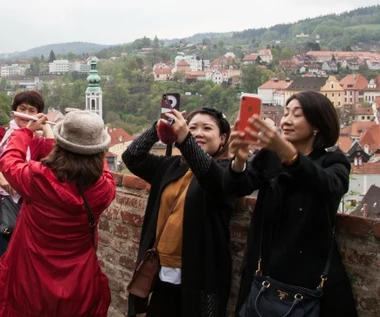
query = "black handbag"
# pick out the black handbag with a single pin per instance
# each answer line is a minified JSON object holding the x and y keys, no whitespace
{"x":271,"y":298}
{"x":9,"y":211}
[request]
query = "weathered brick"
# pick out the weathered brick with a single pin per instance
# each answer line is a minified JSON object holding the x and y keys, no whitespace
{"x":131,"y":218}
{"x":376,"y":230}
{"x":354,"y":225}
{"x":118,"y":178}
{"x":127,"y":262}
{"x":131,"y":201}
{"x":120,"y":228}
{"x":357,"y":255}
{"x":135,"y":182}
{"x":104,"y":224}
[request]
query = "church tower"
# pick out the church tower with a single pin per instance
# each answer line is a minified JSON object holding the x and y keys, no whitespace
{"x":94,"y":97}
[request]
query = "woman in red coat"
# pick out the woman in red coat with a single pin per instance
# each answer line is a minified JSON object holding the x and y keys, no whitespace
{"x":30,"y":103}
{"x":51,"y":267}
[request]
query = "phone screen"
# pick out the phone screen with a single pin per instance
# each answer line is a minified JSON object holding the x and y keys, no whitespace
{"x":250,"y":104}
{"x":169,"y":102}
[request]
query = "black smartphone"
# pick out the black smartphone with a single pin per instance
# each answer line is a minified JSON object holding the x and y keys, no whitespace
{"x":169,"y":102}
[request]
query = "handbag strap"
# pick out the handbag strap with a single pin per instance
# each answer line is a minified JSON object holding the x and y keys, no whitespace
{"x":90,"y":215}
{"x":323,"y":277}
{"x":164,"y":223}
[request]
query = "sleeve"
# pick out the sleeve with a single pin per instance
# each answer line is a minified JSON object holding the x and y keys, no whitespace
{"x":209,"y":172}
{"x":243,"y":183}
{"x":40,"y":147}
{"x":12,"y":162}
{"x":331,"y":177}
{"x":111,"y":184}
{"x":138,"y":159}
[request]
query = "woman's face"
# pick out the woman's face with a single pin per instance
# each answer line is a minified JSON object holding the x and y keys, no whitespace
{"x":27,"y":109}
{"x":295,"y":128}
{"x":206,"y":132}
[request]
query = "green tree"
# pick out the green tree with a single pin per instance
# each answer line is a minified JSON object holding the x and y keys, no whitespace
{"x":252,"y":77}
{"x":51,"y":56}
{"x":5,"y":108}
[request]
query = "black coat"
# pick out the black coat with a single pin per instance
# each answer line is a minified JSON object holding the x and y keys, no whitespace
{"x":206,"y":262}
{"x":299,"y":205}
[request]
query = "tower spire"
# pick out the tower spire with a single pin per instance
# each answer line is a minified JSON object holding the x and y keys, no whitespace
{"x":94,"y":96}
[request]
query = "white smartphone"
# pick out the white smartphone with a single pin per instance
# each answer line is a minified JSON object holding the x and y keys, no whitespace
{"x":27,"y":117}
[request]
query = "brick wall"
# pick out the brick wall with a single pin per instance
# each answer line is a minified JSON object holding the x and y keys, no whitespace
{"x":119,"y":231}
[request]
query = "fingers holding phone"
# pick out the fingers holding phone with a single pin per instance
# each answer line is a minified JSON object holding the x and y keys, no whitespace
{"x":250,"y":104}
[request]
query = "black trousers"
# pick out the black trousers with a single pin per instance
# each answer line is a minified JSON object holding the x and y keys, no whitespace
{"x":165,"y":300}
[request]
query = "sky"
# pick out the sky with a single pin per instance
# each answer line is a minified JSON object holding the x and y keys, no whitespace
{"x":28,"y":24}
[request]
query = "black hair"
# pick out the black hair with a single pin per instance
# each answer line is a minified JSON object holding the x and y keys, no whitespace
{"x":222,"y":123}
{"x":320,"y":113}
{"x":32,"y":97}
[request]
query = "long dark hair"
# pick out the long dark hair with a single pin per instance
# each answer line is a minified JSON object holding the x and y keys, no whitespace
{"x":222,"y":123}
{"x":84,"y":170}
{"x":321,"y":113}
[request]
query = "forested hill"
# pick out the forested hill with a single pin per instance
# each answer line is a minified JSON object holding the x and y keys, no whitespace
{"x":335,"y":31}
{"x":77,"y":48}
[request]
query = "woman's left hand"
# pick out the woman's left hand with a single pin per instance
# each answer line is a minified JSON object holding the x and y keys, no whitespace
{"x":268,"y":138}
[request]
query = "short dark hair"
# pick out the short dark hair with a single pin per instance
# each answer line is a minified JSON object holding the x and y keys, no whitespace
{"x":31,"y":97}
{"x":222,"y":123}
{"x":84,"y":170}
{"x":321,"y":113}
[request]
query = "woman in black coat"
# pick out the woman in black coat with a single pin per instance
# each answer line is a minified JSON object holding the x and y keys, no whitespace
{"x":300,"y":188}
{"x":195,"y":276}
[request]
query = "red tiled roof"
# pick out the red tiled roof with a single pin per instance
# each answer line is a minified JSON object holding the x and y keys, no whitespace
{"x":183,"y":63}
{"x":341,"y":54}
{"x":279,"y":84}
{"x":118,"y":135}
{"x":362,"y":111}
{"x":354,"y":82}
{"x":250,"y":58}
{"x":196,"y":73}
{"x":366,"y":168}
{"x":344,"y":143}
{"x":360,"y":127}
{"x":372,"y":138}
{"x":162,"y":71}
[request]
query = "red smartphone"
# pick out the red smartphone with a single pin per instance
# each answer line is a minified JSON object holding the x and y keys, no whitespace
{"x":250,"y":104}
{"x":169,"y":102}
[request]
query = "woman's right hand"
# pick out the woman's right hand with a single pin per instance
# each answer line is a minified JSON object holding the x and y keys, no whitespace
{"x":238,"y":147}
{"x":37,"y":125}
{"x":5,"y":185}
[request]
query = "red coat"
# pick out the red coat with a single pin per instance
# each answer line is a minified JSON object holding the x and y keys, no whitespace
{"x":50,"y":268}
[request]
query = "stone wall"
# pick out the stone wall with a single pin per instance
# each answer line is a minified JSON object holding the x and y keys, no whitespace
{"x":119,"y":231}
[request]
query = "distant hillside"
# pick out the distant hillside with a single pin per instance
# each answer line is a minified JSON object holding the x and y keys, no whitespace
{"x":77,"y":48}
{"x":197,"y":38}
{"x":333,"y":31}
{"x":358,"y":29}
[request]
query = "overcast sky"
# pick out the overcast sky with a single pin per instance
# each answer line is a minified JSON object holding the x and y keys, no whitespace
{"x":28,"y":24}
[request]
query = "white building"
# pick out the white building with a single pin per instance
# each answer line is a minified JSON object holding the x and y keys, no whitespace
{"x":80,"y":67}
{"x":59,"y":66}
{"x":14,"y":70}
{"x":194,"y":62}
{"x":63,"y":66}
